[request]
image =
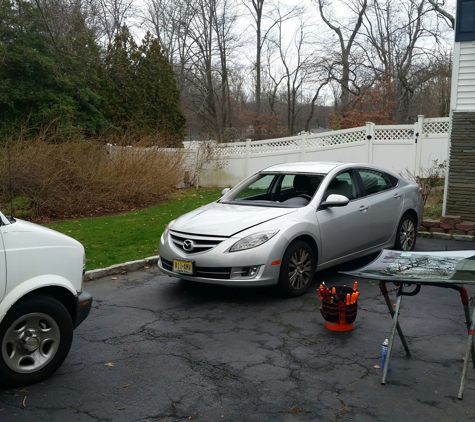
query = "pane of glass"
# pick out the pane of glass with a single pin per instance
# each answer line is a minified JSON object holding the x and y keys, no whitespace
{"x":374,"y":181}
{"x":256,"y":189}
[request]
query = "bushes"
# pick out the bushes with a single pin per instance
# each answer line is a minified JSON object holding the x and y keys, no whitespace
{"x":81,"y":178}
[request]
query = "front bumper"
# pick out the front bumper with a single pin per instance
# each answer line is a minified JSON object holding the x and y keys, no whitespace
{"x":218,"y":266}
{"x":263,"y":278}
{"x":83,"y":307}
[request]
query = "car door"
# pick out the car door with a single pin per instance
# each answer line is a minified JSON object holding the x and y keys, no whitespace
{"x":3,"y":267}
{"x":344,"y":230}
{"x":386,"y":202}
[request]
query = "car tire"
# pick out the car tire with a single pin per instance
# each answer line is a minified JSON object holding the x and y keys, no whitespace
{"x":297,"y":269}
{"x":35,"y":338}
{"x":406,"y":234}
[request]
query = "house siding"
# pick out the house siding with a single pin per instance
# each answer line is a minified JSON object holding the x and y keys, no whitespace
{"x":464,"y":77}
{"x":460,"y":183}
{"x":461,"y":180}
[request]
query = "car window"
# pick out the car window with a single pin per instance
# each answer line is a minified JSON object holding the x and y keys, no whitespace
{"x":256,"y":189}
{"x":375,"y":181}
{"x":287,"y":181}
{"x":343,"y":184}
{"x":307,"y":183}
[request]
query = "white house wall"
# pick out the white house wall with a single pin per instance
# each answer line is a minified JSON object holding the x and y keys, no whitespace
{"x":463,"y":81}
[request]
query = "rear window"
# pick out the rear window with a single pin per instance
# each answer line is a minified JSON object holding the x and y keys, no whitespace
{"x":376,"y":181}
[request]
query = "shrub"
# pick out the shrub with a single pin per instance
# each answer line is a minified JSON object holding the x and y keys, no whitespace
{"x":431,"y":178}
{"x":81,"y":178}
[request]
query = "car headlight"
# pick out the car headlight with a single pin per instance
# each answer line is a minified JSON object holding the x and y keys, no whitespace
{"x":167,"y":229}
{"x":253,"y":241}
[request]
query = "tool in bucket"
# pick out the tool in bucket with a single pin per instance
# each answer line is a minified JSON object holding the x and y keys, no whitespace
{"x":339,"y":306}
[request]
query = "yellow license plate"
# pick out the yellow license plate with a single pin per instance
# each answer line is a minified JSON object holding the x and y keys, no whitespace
{"x":182,"y":267}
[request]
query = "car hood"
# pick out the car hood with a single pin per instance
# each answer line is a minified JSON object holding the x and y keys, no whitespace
{"x":219,"y":219}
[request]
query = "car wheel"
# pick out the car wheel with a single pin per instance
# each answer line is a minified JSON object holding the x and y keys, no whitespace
{"x":35,"y":338}
{"x":406,"y":234}
{"x":297,"y":269}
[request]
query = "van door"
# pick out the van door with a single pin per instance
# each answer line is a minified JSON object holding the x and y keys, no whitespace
{"x":3,"y":267}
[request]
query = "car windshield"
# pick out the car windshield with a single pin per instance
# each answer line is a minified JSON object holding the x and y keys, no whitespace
{"x":280,"y":190}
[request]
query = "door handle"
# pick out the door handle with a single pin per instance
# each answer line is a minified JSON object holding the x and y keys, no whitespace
{"x":363,"y":207}
{"x":397,"y":195}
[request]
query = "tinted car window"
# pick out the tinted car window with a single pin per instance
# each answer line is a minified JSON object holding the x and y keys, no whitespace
{"x":343,"y":184}
{"x":376,"y":181}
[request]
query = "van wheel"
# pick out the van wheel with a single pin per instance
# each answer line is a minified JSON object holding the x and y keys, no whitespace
{"x":35,"y":338}
{"x":406,"y":234}
{"x":297,"y":269}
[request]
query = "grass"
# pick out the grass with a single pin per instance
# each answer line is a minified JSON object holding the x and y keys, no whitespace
{"x":133,"y":235}
{"x":433,"y":205}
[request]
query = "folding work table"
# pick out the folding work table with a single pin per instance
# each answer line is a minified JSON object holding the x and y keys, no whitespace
{"x":448,"y":269}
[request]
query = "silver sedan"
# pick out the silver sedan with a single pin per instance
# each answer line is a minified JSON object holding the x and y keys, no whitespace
{"x":287,"y":221}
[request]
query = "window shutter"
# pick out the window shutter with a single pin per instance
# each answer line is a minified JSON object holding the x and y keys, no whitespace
{"x":465,"y":21}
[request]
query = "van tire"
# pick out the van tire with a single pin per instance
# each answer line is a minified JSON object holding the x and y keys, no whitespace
{"x":35,"y":338}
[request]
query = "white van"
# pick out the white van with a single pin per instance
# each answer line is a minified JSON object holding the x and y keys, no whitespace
{"x":41,"y":300}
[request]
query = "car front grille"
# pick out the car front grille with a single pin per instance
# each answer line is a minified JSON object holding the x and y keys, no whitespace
{"x":191,"y":243}
{"x":220,"y":273}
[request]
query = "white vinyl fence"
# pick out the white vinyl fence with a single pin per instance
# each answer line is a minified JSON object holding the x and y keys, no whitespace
{"x":401,"y":148}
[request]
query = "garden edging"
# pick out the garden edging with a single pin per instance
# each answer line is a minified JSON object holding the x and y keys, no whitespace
{"x":120,"y":268}
{"x":449,"y":227}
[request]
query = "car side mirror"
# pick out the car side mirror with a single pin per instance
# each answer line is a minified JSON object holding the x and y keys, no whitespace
{"x":334,"y":200}
{"x":225,"y":191}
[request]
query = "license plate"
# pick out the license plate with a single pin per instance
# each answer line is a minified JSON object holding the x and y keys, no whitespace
{"x":182,"y":267}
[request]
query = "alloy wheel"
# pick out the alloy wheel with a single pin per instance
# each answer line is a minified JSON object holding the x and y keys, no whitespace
{"x":300,"y":269}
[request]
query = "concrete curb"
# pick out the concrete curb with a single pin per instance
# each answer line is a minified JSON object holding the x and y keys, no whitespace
{"x":448,"y":236}
{"x":119,"y":268}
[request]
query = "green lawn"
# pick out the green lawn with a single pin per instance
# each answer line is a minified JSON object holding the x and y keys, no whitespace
{"x":132,"y":235}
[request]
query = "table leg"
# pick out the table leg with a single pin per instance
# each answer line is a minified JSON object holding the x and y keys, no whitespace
{"x":392,"y":335}
{"x":384,"y":291}
{"x":467,"y":355}
{"x":466,"y":309}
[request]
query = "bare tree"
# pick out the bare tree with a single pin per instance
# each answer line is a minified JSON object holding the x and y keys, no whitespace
{"x":257,"y":12}
{"x":226,"y":41}
{"x":398,"y":33}
{"x":439,"y":7}
{"x":295,"y":59}
{"x":170,"y":21}
{"x":346,"y":39}
{"x":112,"y":15}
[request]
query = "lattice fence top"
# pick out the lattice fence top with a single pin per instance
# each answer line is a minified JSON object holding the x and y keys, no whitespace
{"x":430,"y":126}
{"x":394,"y":134}
{"x":264,"y":147}
{"x":291,"y":144}
{"x":337,"y":138}
{"x":435,"y":127}
{"x":229,"y":149}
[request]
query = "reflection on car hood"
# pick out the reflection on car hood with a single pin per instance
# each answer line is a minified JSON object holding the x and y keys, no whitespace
{"x":226,"y":219}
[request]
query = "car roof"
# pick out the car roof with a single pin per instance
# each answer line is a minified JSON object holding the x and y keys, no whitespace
{"x":321,"y":167}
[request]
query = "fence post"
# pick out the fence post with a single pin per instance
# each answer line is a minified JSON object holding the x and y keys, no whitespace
{"x":369,"y":141}
{"x":248,"y":157}
{"x":418,"y":128}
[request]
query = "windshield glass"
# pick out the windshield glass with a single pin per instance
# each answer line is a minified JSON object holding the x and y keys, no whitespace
{"x":277,"y":189}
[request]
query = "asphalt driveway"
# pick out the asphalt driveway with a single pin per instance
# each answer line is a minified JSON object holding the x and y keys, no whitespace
{"x":158,"y":349}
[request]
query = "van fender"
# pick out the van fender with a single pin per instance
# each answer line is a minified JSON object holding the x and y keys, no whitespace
{"x":28,"y":286}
